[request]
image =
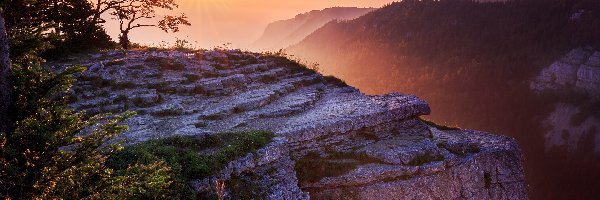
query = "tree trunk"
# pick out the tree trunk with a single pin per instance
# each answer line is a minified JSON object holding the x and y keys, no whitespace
{"x":124,"y":40}
{"x":6,"y":99}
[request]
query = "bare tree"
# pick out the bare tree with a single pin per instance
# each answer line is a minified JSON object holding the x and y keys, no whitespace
{"x":6,"y":100}
{"x":131,"y":12}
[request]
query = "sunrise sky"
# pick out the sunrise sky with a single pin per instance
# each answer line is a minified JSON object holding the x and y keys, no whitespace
{"x":239,"y":22}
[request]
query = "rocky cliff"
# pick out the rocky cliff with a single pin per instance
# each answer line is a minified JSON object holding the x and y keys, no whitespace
{"x":575,"y":79}
{"x":332,"y":141}
{"x":282,"y":33}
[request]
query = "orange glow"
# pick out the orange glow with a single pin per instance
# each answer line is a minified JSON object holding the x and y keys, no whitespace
{"x":239,"y":22}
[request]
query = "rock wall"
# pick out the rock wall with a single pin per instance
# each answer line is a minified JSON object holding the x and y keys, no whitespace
{"x":332,"y":141}
{"x":575,"y":80}
{"x":578,"y":70}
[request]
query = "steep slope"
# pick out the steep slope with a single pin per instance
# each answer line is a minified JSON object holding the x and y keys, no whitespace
{"x":472,"y":62}
{"x":281,"y":34}
{"x":332,"y":141}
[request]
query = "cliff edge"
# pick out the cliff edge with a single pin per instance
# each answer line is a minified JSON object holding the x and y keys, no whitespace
{"x":332,"y":141}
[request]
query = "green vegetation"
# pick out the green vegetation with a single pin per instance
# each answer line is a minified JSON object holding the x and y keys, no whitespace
{"x":45,"y":156}
{"x":438,"y":126}
{"x":427,"y":157}
{"x":280,"y":58}
{"x":246,"y":186}
{"x":313,"y":167}
{"x":335,"y":81}
{"x":191,"y":157}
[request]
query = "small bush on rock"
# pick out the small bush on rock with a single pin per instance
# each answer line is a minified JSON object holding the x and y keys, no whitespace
{"x":184,"y":155}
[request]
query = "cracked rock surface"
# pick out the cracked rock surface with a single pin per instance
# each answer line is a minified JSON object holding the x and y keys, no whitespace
{"x":332,"y":141}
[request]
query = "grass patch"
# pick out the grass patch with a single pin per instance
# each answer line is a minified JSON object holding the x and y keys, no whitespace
{"x":438,"y":126}
{"x":335,"y":81}
{"x":184,"y":155}
{"x":425,"y":158}
{"x":280,"y":59}
{"x":312,"y":167}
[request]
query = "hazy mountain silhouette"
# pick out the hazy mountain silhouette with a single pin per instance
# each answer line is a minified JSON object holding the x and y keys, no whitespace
{"x":283,"y":33}
{"x":473,"y":63}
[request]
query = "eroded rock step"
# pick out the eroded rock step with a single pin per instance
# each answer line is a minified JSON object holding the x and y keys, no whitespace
{"x":415,"y":165}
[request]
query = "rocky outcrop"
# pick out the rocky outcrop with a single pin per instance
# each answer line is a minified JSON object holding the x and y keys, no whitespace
{"x":575,"y":80}
{"x":332,"y":141}
{"x":578,"y":70}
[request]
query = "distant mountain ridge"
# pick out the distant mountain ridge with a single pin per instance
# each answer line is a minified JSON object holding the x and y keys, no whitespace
{"x":283,"y":33}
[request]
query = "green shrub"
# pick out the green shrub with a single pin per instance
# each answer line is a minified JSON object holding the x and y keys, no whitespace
{"x":186,"y":156}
